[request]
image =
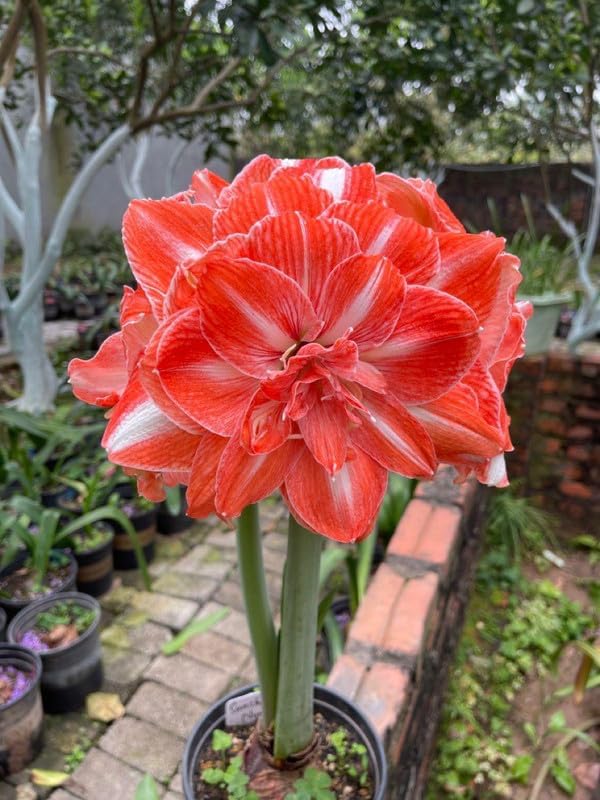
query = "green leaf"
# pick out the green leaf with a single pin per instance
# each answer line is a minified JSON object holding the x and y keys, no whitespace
{"x":146,"y":789}
{"x":213,"y":776}
{"x":193,"y":629}
{"x":521,"y":768}
{"x":221,"y":740}
{"x":557,"y":723}
{"x":561,"y":772}
{"x":530,"y":731}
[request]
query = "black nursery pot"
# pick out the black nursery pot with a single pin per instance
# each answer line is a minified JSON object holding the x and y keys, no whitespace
{"x":13,"y":607}
{"x":168,"y":524}
{"x":21,"y":720}
{"x":71,"y":672}
{"x":330,"y":704}
{"x":124,"y":556}
{"x":95,"y":569}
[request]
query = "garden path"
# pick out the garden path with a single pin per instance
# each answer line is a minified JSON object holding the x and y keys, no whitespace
{"x":194,"y":574}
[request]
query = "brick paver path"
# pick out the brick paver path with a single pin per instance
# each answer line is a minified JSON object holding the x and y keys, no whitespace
{"x":195,"y":573}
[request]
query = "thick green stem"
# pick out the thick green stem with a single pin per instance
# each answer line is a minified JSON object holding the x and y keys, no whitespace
{"x":258,"y":609}
{"x":299,"y":610}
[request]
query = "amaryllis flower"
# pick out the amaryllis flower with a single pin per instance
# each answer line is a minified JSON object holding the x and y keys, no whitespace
{"x":308,"y":327}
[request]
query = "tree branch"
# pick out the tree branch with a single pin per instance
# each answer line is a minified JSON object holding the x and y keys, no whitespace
{"x":11,"y":33}
{"x":69,"y":205}
{"x":4,"y":298}
{"x":40,"y":45}
{"x":90,"y":52}
{"x":9,"y":128}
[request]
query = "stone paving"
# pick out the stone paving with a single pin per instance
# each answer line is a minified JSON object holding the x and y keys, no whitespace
{"x":194,"y":574}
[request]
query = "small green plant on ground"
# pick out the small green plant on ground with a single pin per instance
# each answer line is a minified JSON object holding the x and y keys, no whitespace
{"x":232,"y":778}
{"x":313,"y":785}
{"x":351,"y":758}
{"x":515,"y":628}
{"x":75,"y":756}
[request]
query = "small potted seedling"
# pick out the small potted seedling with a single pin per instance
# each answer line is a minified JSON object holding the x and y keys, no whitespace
{"x":64,"y":630}
{"x":21,"y":715}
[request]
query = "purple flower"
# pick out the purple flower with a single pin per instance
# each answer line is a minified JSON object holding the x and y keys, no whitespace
{"x":31,"y":640}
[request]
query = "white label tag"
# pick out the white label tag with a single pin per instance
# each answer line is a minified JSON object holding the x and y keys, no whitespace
{"x":243,"y":710}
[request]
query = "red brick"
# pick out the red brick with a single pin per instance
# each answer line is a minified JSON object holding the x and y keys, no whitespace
{"x":555,"y":405}
{"x":377,"y":607}
{"x":408,"y":532}
{"x":551,"y":425}
{"x":407,"y":624}
{"x":587,"y":412}
{"x":579,"y":432}
{"x":560,"y":362}
{"x":579,"y":452}
{"x":550,"y":385}
{"x":383,"y":696}
{"x":573,"y":472}
{"x":590,"y":370}
{"x":575,"y":489}
{"x":346,"y":675}
{"x":552,"y":446}
{"x":439,"y":536}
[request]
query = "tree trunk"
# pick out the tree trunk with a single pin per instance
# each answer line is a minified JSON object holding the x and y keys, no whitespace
{"x":26,"y":338}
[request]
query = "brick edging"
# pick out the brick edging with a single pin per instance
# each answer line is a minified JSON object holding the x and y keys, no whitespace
{"x":401,"y":640}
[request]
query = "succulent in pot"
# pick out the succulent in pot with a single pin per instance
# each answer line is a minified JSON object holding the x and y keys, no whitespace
{"x":308,"y":328}
{"x":21,"y":715}
{"x":64,"y":631}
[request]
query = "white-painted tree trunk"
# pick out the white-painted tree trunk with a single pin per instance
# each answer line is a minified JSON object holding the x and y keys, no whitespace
{"x":23,"y":315}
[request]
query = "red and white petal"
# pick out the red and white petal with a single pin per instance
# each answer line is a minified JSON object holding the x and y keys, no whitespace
{"x":252,"y":314}
{"x":474,"y":269}
{"x":101,"y":380}
{"x":265,"y":426}
{"x":140,"y":436}
{"x":160,"y":234}
{"x":435,"y":343}
{"x":394,"y":438}
{"x":355,"y":184}
{"x":243,"y":478}
{"x":457,"y":428}
{"x":325,"y":432}
{"x":200,"y":495}
{"x":203,"y":385}
{"x":512,"y":345}
{"x":282,"y":193}
{"x":206,"y":187}
{"x":341,"y":506}
{"x":150,"y":378}
{"x":412,"y":247}
{"x":302,"y":247}
{"x":364,"y":295}
{"x":419,"y":200}
{"x":258,"y":170}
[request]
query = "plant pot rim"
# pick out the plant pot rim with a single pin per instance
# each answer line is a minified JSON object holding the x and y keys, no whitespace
{"x":23,"y":652}
{"x":323,"y":695}
{"x":92,"y":550}
{"x":547,"y":298}
{"x":42,"y":604}
{"x":8,"y":602}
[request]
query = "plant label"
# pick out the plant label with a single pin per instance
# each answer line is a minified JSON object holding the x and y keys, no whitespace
{"x":244,"y":710}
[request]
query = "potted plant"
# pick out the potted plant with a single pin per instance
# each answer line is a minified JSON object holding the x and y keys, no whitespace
{"x":314,"y":351}
{"x":170,"y":516}
{"x":64,"y":631}
{"x":141,"y":514}
{"x":21,"y":716}
{"x":547,"y":272}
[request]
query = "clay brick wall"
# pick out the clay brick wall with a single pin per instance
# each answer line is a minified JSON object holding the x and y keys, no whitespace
{"x":402,"y":641}
{"x":554,"y":402}
{"x":467,"y":188}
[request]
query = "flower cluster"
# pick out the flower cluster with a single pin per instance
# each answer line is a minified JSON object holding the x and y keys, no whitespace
{"x":308,"y":327}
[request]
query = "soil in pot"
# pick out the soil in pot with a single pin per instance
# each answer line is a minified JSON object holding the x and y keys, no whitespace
{"x":64,"y":630}
{"x":21,"y":715}
{"x":60,"y":625}
{"x":339,"y":763}
{"x":19,"y":585}
{"x":143,"y":520}
{"x":346,"y":759}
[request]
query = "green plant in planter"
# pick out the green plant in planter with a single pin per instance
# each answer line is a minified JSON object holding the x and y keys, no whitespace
{"x":52,"y":534}
{"x":546,"y":268}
